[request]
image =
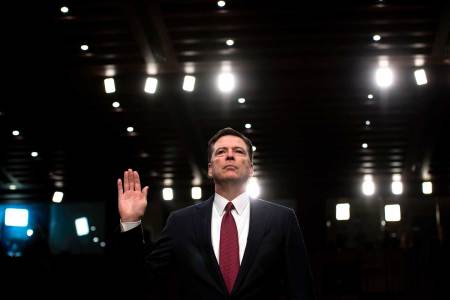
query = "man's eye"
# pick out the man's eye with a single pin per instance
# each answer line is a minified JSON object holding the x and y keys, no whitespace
{"x":220,"y":151}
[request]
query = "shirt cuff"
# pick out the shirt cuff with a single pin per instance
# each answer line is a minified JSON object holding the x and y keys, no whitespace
{"x":125,"y":226}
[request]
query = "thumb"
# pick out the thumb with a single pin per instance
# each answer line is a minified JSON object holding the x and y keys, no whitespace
{"x":145,"y":190}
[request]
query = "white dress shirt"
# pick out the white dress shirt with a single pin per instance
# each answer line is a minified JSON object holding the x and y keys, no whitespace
{"x":241,"y":215}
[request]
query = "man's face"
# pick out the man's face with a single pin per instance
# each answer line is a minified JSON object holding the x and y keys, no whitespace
{"x":230,"y":160}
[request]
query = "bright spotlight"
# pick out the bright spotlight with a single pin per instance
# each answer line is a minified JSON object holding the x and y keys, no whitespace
{"x":57,"y":197}
{"x":368,"y":186}
{"x":221,"y":3}
{"x":392,"y":213}
{"x":427,"y":187}
{"x":253,"y":188}
{"x":188,"y":83}
{"x":167,"y":194}
{"x":376,"y":37}
{"x":82,"y":226}
{"x":110,"y":86}
{"x":196,"y":192}
{"x":343,"y":211}
{"x":384,"y":77}
{"x":225,"y":82}
{"x":397,"y":187}
{"x":16,"y":217}
{"x":150,"y":85}
{"x":30,"y":232}
{"x":421,"y":77}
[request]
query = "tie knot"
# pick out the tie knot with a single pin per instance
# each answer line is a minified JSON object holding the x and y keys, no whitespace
{"x":229,"y":207}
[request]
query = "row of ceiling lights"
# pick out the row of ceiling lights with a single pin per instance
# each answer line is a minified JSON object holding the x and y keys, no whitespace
{"x":384,"y":77}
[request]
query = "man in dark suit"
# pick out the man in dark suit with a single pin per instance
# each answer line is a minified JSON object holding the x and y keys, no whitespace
{"x":227,"y":247}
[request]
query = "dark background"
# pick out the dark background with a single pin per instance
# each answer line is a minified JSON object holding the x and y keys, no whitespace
{"x":305,"y":71}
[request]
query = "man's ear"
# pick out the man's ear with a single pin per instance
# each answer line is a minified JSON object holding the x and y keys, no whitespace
{"x":209,"y":170}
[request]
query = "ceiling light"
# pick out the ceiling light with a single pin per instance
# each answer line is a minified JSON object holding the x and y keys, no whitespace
{"x":392,"y":213}
{"x":397,"y":185}
{"x":196,"y":192}
{"x":116,"y":104}
{"x":241,"y":100}
{"x":57,"y":197}
{"x":188,"y":83}
{"x":368,"y":186}
{"x":421,"y":77}
{"x":150,"y":85}
{"x":82,"y":226}
{"x":427,"y":187}
{"x":248,"y":125}
{"x":220,"y":3}
{"x":84,"y":47}
{"x":64,"y":9}
{"x":384,"y":77}
{"x":15,"y":132}
{"x":130,"y":129}
{"x":229,"y":43}
{"x":364,"y":145}
{"x":253,"y":188}
{"x":167,"y":194}
{"x":34,"y":154}
{"x":226,"y":82}
{"x":376,"y":37}
{"x":370,"y":96}
{"x":110,"y":86}
{"x":343,"y":211}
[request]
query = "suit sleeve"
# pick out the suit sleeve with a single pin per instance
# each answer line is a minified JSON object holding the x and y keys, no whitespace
{"x":142,"y":262}
{"x":298,"y":274}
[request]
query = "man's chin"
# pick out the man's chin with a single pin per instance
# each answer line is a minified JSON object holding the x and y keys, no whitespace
{"x":231,"y":180}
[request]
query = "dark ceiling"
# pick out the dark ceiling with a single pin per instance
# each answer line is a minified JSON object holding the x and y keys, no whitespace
{"x":305,"y":71}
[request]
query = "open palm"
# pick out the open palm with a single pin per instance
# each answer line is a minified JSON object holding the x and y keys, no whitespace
{"x":132,"y":200}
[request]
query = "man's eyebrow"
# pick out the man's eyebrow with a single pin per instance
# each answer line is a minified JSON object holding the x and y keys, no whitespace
{"x":236,"y":147}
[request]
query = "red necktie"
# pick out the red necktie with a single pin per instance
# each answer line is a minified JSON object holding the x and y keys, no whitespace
{"x":229,"y":248}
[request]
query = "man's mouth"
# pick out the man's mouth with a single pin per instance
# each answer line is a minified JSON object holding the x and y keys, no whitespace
{"x":230,"y":167}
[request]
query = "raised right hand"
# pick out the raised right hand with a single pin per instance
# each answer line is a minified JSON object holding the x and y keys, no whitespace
{"x":132,"y":200}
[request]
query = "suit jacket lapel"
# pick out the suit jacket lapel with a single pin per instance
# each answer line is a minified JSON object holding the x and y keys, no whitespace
{"x":257,"y":228}
{"x":204,"y":232}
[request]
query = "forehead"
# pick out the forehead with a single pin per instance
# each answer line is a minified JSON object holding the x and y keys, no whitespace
{"x":229,"y":141}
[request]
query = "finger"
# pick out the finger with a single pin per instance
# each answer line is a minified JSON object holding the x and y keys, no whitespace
{"x":137,"y":181}
{"x":126,"y":183}
{"x":145,"y":190}
{"x":131,"y":179}
{"x":119,"y":187}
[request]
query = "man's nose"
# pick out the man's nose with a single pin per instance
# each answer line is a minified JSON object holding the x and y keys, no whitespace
{"x":230,"y":154}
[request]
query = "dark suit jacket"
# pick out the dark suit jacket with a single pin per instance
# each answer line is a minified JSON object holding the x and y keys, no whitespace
{"x":274,"y":265}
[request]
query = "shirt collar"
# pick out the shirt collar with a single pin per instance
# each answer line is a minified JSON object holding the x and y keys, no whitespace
{"x":239,"y":203}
